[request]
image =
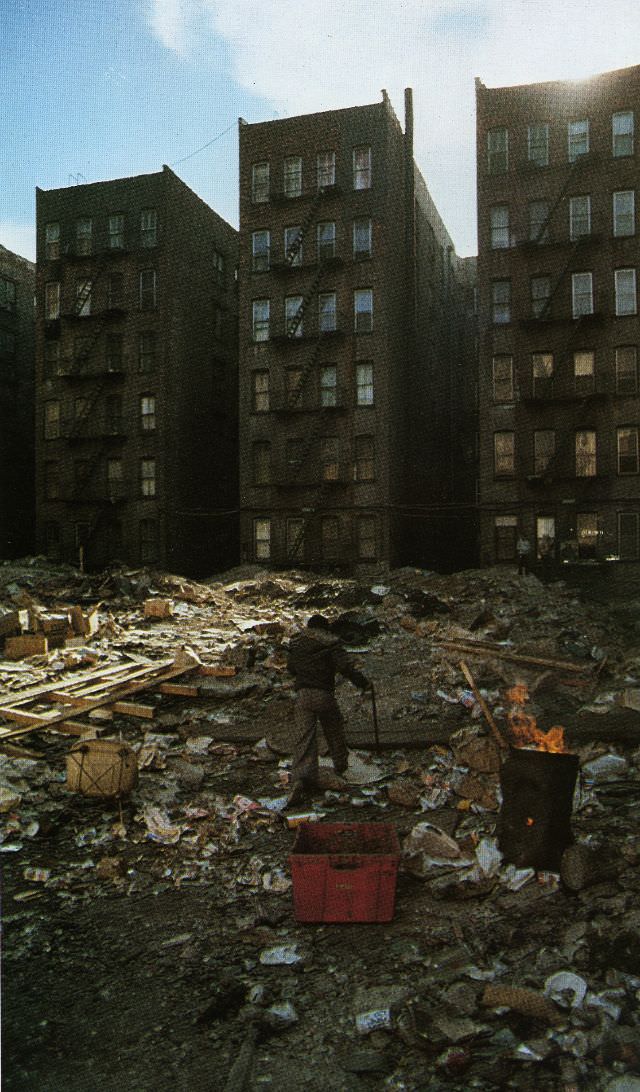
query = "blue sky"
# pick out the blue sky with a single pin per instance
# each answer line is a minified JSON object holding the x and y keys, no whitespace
{"x":97,"y":89}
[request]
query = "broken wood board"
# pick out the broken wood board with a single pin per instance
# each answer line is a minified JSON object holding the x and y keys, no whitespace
{"x":179,"y":690}
{"x":218,"y":671}
{"x":486,"y":650}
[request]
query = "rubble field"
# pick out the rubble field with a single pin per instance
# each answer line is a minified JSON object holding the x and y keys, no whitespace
{"x":150,"y":942}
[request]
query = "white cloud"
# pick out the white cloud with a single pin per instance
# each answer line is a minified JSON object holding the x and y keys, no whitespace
{"x":170,"y":21}
{"x":19,"y":237}
{"x":304,"y":56}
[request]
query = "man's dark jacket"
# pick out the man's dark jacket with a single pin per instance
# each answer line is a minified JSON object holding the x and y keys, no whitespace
{"x":315,"y":656}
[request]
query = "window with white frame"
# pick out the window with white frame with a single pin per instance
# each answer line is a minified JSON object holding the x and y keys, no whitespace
{"x":363,"y":310}
{"x":540,"y":297}
{"x":84,"y":229}
{"x":116,"y":231}
{"x":147,"y":290}
{"x":544,"y":449}
{"x":327,"y":312}
{"x":504,"y":453}
{"x":292,"y":176}
{"x":545,"y":537}
{"x":329,"y":538}
{"x":326,"y":169}
{"x":260,"y":250}
{"x":362,"y":238}
{"x":622,"y":133}
{"x":586,"y":453}
{"x":260,"y":392}
{"x":51,"y":420}
{"x":625,"y":284}
{"x":503,"y":378}
{"x":362,"y":167}
{"x":52,"y":240}
{"x":260,"y":320}
{"x":577,"y":139}
{"x":260,"y":183}
{"x":579,"y":216}
{"x":538,"y":144}
{"x":628,"y":536}
{"x":626,"y":369}
{"x":581,"y":294}
{"x":366,"y":538}
{"x":539,"y":221}
{"x":329,"y":458}
{"x":584,"y":370}
{"x":326,"y":240}
{"x":261,"y":462}
{"x":364,"y":383}
{"x":148,"y":227}
{"x":497,"y":151}
{"x":500,"y":237}
{"x":364,"y":460}
{"x":148,"y":477}
{"x":52,"y":300}
{"x":84,"y":288}
{"x":293,"y":316}
{"x":505,"y":535}
{"x":146,"y":351}
{"x":501,"y":301}
{"x":624,"y":213}
{"x":262,"y":539}
{"x":148,"y":412}
{"x":627,"y":446}
{"x":329,"y":385}
{"x":542,"y":371}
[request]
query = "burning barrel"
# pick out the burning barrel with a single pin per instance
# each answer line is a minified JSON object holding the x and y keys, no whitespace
{"x":534,"y":826}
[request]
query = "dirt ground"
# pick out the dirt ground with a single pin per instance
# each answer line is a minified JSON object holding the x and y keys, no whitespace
{"x":152,"y":945}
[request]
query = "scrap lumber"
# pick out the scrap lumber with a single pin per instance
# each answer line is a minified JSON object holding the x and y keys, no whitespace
{"x":27,"y":644}
{"x":179,"y":690}
{"x":21,"y":697}
{"x":218,"y":671}
{"x":495,"y":731}
{"x":485,"y":648}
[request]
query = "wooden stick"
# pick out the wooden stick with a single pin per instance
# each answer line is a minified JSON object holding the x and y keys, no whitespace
{"x":471,"y":648}
{"x":497,"y":734}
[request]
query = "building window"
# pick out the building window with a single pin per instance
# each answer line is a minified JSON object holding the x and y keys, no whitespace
{"x":293,"y":316}
{"x":293,"y":381}
{"x":326,"y":169}
{"x":362,"y":238}
{"x":581,"y":294}
{"x":579,"y":216}
{"x":626,"y":369}
{"x":540,"y":297}
{"x":52,"y":240}
{"x":261,"y":462}
{"x":539,"y":221}
{"x":364,"y":464}
{"x":503,"y":379}
{"x":329,"y":458}
{"x":544,"y":449}
{"x":81,"y":352}
{"x":366,"y":538}
{"x":260,"y":251}
{"x":260,"y":183}
{"x":114,"y":290}
{"x":114,"y":478}
{"x":329,"y":538}
{"x":328,"y":385}
{"x":8,"y":294}
{"x":506,"y":533}
{"x":578,"y":139}
{"x":622,"y":133}
{"x":51,"y":358}
{"x":148,"y":540}
{"x":628,"y":536}
{"x":586,"y":453}
{"x":327,"y":312}
{"x":148,"y":412}
{"x":538,"y":144}
{"x":497,"y":151}
{"x":260,"y":392}
{"x":148,"y":477}
{"x":82,"y":411}
{"x":363,"y":310}
{"x":146,"y":352}
{"x":293,"y":245}
{"x":627,"y":450}
{"x":51,"y":481}
{"x":84,"y":228}
{"x":51,"y":420}
{"x":295,"y":537}
{"x":587,"y":534}
{"x":147,"y":290}
{"x":113,"y":414}
{"x":625,"y":283}
{"x":83,"y":297}
{"x":501,"y":301}
{"x":326,"y":240}
{"x":7,"y":343}
{"x":545,"y":537}
{"x":362,"y":168}
{"x":499,"y":227}
{"x":584,"y":370}
{"x":293,"y":176}
{"x":261,"y":320}
{"x":504,"y":453}
{"x":219,"y":266}
{"x":113,"y":352}
{"x":116,"y":231}
{"x":364,"y":383}
{"x":294,"y":456}
{"x":624,"y":213}
{"x":148,"y":227}
{"x":52,"y":300}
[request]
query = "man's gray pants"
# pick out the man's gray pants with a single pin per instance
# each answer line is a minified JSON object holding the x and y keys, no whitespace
{"x":313,"y":706}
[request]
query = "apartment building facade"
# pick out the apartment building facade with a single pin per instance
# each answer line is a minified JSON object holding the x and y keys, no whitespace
{"x":559,"y":332}
{"x":350,"y":342}
{"x":17,"y":330}
{"x":136,"y":378}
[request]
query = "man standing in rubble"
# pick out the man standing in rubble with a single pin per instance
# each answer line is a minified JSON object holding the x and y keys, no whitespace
{"x":315,"y":656}
{"x":523,"y":550}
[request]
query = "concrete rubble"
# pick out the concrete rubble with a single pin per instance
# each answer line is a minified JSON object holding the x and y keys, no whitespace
{"x":165,"y":918}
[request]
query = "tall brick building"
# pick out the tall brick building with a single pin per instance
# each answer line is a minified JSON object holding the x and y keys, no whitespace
{"x":17,"y":328}
{"x":356,"y":428}
{"x":136,"y":406}
{"x":558,"y":260}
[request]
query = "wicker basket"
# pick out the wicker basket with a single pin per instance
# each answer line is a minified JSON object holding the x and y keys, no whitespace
{"x":102,"y":767}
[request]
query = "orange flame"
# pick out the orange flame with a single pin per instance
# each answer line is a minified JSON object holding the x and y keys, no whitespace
{"x":524,"y":729}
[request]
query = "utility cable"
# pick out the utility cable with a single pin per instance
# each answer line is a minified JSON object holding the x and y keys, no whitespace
{"x":207,"y":145}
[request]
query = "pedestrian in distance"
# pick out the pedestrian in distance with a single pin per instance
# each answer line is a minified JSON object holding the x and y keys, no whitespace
{"x":523,"y":550}
{"x":316,"y":655}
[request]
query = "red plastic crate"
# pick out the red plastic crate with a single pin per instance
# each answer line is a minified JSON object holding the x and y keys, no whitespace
{"x":344,"y":871}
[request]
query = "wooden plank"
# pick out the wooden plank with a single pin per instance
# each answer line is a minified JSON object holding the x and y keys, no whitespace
{"x":28,"y":644}
{"x":134,"y":709}
{"x":22,"y":717}
{"x":218,"y":671}
{"x":471,"y":648}
{"x":179,"y":690}
{"x":20,"y":697}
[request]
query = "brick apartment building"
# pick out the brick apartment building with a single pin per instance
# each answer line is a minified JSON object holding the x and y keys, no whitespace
{"x":17,"y":329}
{"x":557,"y":274}
{"x":136,"y":389}
{"x":356,"y":376}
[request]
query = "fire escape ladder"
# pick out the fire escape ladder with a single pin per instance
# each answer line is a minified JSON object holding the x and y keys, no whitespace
{"x":294,"y":322}
{"x":74,"y":431}
{"x":562,"y":192}
{"x":87,"y":474}
{"x":559,"y":280}
{"x":294,"y":249}
{"x":568,"y":432}
{"x":294,"y":398}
